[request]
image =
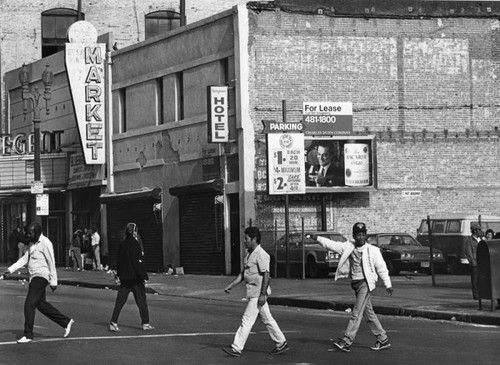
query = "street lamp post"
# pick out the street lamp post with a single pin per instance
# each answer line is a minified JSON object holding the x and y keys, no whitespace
{"x":34,"y":95}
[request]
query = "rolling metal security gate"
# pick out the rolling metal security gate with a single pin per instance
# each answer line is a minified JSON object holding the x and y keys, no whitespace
{"x":150,"y":230}
{"x":202,"y":233}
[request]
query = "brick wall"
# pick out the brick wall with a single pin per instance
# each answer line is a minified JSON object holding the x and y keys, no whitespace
{"x":427,"y":88}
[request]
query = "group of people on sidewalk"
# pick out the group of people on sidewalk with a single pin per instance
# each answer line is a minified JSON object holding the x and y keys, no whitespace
{"x":85,"y":246}
{"x":18,"y":239}
{"x":39,"y":259}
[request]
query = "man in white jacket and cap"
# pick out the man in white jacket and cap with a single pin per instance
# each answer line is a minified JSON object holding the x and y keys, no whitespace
{"x":363,"y":264}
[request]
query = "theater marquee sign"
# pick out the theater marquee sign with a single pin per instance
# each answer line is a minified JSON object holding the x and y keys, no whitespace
{"x":85,"y":64}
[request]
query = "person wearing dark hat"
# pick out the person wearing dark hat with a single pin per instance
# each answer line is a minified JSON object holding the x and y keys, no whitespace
{"x":471,"y":254}
{"x":363,"y":264}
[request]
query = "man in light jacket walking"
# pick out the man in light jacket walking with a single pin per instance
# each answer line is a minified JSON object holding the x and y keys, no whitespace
{"x":42,"y":272}
{"x":362,"y":263}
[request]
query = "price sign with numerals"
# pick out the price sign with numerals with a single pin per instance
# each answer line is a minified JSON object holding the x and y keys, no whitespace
{"x":286,"y":163}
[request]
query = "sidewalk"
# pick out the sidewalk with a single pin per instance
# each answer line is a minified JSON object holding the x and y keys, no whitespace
{"x":414,"y":295}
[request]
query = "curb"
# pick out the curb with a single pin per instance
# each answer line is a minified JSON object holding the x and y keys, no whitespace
{"x":389,"y":311}
{"x":80,"y":284}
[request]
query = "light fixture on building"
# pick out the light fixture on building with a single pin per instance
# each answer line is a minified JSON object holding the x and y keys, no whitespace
{"x":34,"y":95}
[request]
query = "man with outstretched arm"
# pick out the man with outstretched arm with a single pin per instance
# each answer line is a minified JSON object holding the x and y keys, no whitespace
{"x":256,"y":277}
{"x":362,"y":263}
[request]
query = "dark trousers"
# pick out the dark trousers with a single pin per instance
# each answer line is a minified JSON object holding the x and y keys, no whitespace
{"x":473,"y":279}
{"x":36,"y":300}
{"x":139,"y":291}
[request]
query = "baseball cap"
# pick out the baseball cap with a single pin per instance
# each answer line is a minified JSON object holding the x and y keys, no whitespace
{"x":358,"y":227}
{"x":474,"y":226}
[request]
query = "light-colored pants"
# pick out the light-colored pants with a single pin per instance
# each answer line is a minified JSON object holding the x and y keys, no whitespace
{"x":248,"y":320}
{"x":97,"y":257}
{"x":21,"y":249}
{"x":84,"y":258}
{"x":363,"y":308}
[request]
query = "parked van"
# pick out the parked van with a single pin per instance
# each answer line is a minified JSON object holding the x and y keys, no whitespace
{"x":449,"y":233}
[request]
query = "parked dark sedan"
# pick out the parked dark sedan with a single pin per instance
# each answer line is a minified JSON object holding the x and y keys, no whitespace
{"x":318,"y":261}
{"x":402,"y":252}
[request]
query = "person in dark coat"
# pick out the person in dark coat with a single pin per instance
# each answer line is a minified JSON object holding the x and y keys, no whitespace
{"x":132,"y":277}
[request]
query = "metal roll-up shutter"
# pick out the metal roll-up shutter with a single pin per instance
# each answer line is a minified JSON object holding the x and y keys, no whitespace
{"x":150,"y":230}
{"x":202,"y":234}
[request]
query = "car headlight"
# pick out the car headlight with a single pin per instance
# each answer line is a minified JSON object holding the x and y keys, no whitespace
{"x":437,"y":255}
{"x":332,"y":256}
{"x":407,"y":255}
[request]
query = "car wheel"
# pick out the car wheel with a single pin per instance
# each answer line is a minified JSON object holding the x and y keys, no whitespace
{"x":312,"y":269}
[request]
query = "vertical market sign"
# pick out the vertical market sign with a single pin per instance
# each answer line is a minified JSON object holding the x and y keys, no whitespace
{"x":85,"y":64}
{"x":286,"y":163}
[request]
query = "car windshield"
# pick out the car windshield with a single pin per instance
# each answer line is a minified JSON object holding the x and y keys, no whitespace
{"x":400,"y":240}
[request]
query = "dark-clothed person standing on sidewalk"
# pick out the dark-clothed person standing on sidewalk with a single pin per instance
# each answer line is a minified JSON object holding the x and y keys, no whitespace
{"x":42,"y":271}
{"x":471,"y":254}
{"x":132,"y":276}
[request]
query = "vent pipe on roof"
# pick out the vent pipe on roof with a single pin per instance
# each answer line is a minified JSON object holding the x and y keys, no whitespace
{"x":183,"y":12}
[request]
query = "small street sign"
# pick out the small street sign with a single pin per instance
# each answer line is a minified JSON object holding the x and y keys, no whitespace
{"x":42,"y":204}
{"x":36,"y":187}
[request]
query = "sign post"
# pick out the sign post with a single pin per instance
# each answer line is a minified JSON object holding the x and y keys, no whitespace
{"x":286,"y":167}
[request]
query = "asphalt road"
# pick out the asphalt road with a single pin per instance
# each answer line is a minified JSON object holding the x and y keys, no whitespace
{"x":192,"y":331}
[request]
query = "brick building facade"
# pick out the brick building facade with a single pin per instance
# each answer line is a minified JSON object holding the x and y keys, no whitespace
{"x":426,"y":86}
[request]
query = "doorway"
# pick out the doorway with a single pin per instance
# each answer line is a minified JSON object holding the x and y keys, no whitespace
{"x":54,"y":229}
{"x":234,"y":227}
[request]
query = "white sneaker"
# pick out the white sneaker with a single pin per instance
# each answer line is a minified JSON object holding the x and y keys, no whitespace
{"x":147,"y":327}
{"x":67,"y":330}
{"x":24,"y":339}
{"x":113,"y":327}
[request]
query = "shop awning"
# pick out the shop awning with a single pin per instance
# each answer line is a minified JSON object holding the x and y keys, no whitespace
{"x":215,"y":185}
{"x":154,"y":193}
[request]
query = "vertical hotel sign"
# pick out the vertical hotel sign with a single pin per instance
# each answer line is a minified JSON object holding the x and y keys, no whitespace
{"x":85,"y":64}
{"x":218,"y":128}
